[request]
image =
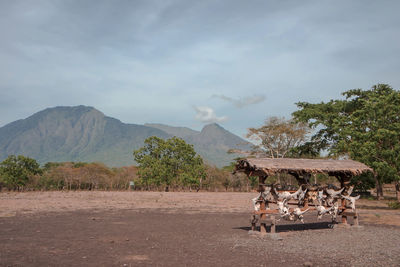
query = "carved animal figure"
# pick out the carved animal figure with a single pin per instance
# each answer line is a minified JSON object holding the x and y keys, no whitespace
{"x":283,"y":206}
{"x":302,"y":195}
{"x":350,"y":190}
{"x":256,"y":203}
{"x":311,"y":196}
{"x":321,"y":210}
{"x":298,"y":214}
{"x":266,"y":193}
{"x":284,"y":195}
{"x":352,"y":201}
{"x":284,"y":210}
{"x":334,"y":212}
{"x":287,"y":195}
{"x":321,"y":197}
{"x":263,"y":195}
{"x":334,"y":194}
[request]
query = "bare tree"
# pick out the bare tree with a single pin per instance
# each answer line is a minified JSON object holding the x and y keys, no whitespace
{"x":278,"y":136}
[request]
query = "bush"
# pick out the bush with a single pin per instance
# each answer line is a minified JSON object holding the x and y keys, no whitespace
{"x":363,"y":182}
{"x":17,"y":171}
{"x":394,"y":205}
{"x":169,"y":163}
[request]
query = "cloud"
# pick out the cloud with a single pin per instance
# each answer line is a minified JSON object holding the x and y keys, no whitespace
{"x":207,"y":115}
{"x":242,"y":102}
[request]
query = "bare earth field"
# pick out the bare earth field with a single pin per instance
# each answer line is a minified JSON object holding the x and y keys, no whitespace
{"x":181,"y":229}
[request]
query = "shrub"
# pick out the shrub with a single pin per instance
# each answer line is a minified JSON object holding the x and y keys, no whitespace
{"x":16,"y":171}
{"x":394,"y":205}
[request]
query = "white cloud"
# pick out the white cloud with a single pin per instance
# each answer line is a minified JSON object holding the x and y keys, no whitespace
{"x":207,"y":115}
{"x":242,"y":102}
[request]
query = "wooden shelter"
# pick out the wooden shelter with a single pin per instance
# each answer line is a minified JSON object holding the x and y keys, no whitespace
{"x":301,"y":169}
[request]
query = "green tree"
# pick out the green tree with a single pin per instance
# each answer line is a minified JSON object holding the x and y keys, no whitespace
{"x":364,"y":126}
{"x":15,"y":171}
{"x":168,"y":162}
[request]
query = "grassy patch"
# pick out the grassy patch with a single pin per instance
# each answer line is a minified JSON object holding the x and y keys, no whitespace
{"x":394,"y":205}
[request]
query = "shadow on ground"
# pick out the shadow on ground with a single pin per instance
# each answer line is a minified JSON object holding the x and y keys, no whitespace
{"x":294,"y":227}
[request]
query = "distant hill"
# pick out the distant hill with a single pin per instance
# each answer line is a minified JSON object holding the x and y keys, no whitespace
{"x":83,"y":133}
{"x":181,"y":132}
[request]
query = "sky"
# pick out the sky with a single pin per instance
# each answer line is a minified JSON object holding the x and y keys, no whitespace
{"x":190,"y":63}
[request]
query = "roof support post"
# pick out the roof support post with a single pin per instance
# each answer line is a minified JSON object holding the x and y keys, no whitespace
{"x":263,"y":216}
{"x":344,"y":180}
{"x":261,"y":183}
{"x":300,"y":180}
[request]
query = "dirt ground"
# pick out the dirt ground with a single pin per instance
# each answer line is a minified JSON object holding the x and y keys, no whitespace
{"x":181,"y":229}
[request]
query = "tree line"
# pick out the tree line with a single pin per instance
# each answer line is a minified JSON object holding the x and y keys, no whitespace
{"x":21,"y":173}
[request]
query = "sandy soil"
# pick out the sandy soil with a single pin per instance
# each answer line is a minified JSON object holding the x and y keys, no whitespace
{"x":12,"y":203}
{"x":181,"y":229}
{"x":33,"y":202}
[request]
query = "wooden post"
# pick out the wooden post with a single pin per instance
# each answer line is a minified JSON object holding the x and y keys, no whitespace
{"x":273,"y":224}
{"x":305,"y":203}
{"x":356,"y":219}
{"x":253,"y":221}
{"x":344,"y":217}
{"x":344,"y":182}
{"x":263,"y":229}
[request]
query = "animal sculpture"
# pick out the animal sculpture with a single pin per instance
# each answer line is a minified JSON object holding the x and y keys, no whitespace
{"x":321,"y":210}
{"x":298,"y":214}
{"x":334,"y":212}
{"x":352,"y":201}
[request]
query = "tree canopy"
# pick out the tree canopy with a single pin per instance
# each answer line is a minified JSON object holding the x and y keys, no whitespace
{"x":165,"y":162}
{"x":278,"y":136}
{"x":364,"y":126}
{"x":15,"y":171}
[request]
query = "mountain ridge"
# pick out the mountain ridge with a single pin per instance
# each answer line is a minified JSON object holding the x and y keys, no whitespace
{"x":83,"y":133}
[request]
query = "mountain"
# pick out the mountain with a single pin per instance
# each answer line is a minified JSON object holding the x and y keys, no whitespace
{"x":213,"y":140}
{"x":74,"y":134}
{"x":181,"y":132}
{"x":83,"y":133}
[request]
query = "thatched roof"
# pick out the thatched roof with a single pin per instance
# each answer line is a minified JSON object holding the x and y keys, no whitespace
{"x":270,"y":166}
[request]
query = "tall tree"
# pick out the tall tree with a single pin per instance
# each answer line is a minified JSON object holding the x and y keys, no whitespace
{"x":164,"y":162}
{"x":15,"y":171}
{"x":364,"y":126}
{"x":278,"y":136}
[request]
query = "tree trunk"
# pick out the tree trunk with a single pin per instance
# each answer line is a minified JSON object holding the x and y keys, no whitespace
{"x":379,"y":188}
{"x":398,"y":191}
